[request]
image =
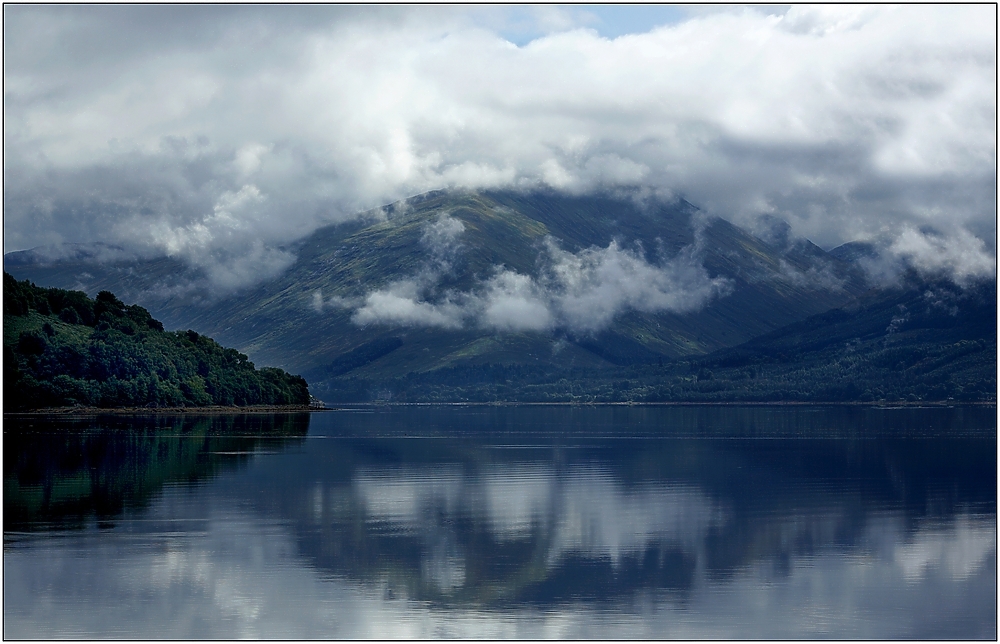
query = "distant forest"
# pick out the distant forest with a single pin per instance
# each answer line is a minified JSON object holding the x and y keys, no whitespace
{"x":62,"y":348}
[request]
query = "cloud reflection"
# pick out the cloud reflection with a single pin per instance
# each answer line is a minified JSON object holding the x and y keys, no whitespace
{"x":583,"y":511}
{"x":241,"y":577}
{"x":955,"y":549}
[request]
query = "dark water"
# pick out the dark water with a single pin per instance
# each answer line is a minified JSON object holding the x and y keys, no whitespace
{"x":521,"y":522}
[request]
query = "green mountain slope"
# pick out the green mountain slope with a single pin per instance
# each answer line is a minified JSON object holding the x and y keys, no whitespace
{"x":306,"y":319}
{"x":921,"y":342}
{"x":62,"y":348}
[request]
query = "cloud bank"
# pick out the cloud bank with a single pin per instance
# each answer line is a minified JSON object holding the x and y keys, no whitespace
{"x":578,"y":292}
{"x":220,"y":134}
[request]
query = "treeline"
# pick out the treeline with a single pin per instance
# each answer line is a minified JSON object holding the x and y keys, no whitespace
{"x":62,"y":348}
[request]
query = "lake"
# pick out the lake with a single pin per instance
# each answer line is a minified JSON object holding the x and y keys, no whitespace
{"x":504,"y":522}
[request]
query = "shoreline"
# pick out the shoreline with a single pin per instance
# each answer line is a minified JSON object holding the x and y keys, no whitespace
{"x":140,"y":411}
{"x":778,"y":403}
{"x":287,"y":409}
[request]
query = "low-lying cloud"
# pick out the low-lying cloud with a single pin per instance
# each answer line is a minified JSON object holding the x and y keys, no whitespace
{"x":957,"y":256}
{"x":580,"y":292}
{"x":219,"y":135}
{"x":960,"y":256}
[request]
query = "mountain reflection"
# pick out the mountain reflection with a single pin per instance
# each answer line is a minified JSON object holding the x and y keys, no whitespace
{"x":470,"y":521}
{"x":64,"y":471}
{"x":294,"y":528}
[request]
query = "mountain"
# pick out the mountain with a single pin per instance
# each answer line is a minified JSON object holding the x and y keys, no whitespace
{"x":455,"y":279}
{"x":922,"y":341}
{"x":61,"y":348}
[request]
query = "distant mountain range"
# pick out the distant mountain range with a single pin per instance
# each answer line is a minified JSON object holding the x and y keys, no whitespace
{"x":421,"y":298}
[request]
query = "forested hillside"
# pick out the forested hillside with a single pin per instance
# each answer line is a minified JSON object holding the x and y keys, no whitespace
{"x":63,"y":348}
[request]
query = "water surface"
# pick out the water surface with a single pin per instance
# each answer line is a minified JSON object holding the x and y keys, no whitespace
{"x":522,"y":522}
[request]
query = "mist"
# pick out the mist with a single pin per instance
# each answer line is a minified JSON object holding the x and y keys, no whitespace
{"x":580,"y":292}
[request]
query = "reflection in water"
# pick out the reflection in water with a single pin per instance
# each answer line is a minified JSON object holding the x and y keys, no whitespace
{"x":60,"y":472}
{"x":509,"y":534}
{"x":582,"y":512}
{"x":956,"y":549}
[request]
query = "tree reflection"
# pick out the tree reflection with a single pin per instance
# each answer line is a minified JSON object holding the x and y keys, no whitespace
{"x":62,"y":472}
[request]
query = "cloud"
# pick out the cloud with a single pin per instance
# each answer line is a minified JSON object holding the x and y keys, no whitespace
{"x":818,"y":275}
{"x":441,"y":239}
{"x":514,"y":302}
{"x":135,"y":125}
{"x":960,"y":256}
{"x":956,"y":255}
{"x":593,"y":286}
{"x":579,"y":292}
{"x":400,"y":304}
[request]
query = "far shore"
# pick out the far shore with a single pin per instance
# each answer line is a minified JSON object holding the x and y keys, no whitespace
{"x":280,"y":409}
{"x":737,"y":403}
{"x":138,"y":411}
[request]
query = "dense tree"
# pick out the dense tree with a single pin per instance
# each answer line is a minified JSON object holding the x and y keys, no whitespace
{"x":63,"y":348}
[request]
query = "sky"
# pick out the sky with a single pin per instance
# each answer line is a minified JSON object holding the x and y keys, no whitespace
{"x":220,"y":134}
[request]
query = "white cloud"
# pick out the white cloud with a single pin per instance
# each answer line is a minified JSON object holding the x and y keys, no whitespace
{"x":582,"y":292}
{"x":317,"y":301}
{"x":848,"y":121}
{"x":593,"y":286}
{"x":819,"y":275}
{"x":514,"y":302}
{"x":961,"y":256}
{"x":399,"y":305}
{"x":224,"y":243}
{"x":248,"y":158}
{"x":441,"y":239}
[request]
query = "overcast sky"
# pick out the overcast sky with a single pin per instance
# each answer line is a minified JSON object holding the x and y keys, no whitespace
{"x":223,"y":132}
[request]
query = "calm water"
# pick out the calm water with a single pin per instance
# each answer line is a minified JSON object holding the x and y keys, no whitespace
{"x":523,"y":522}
